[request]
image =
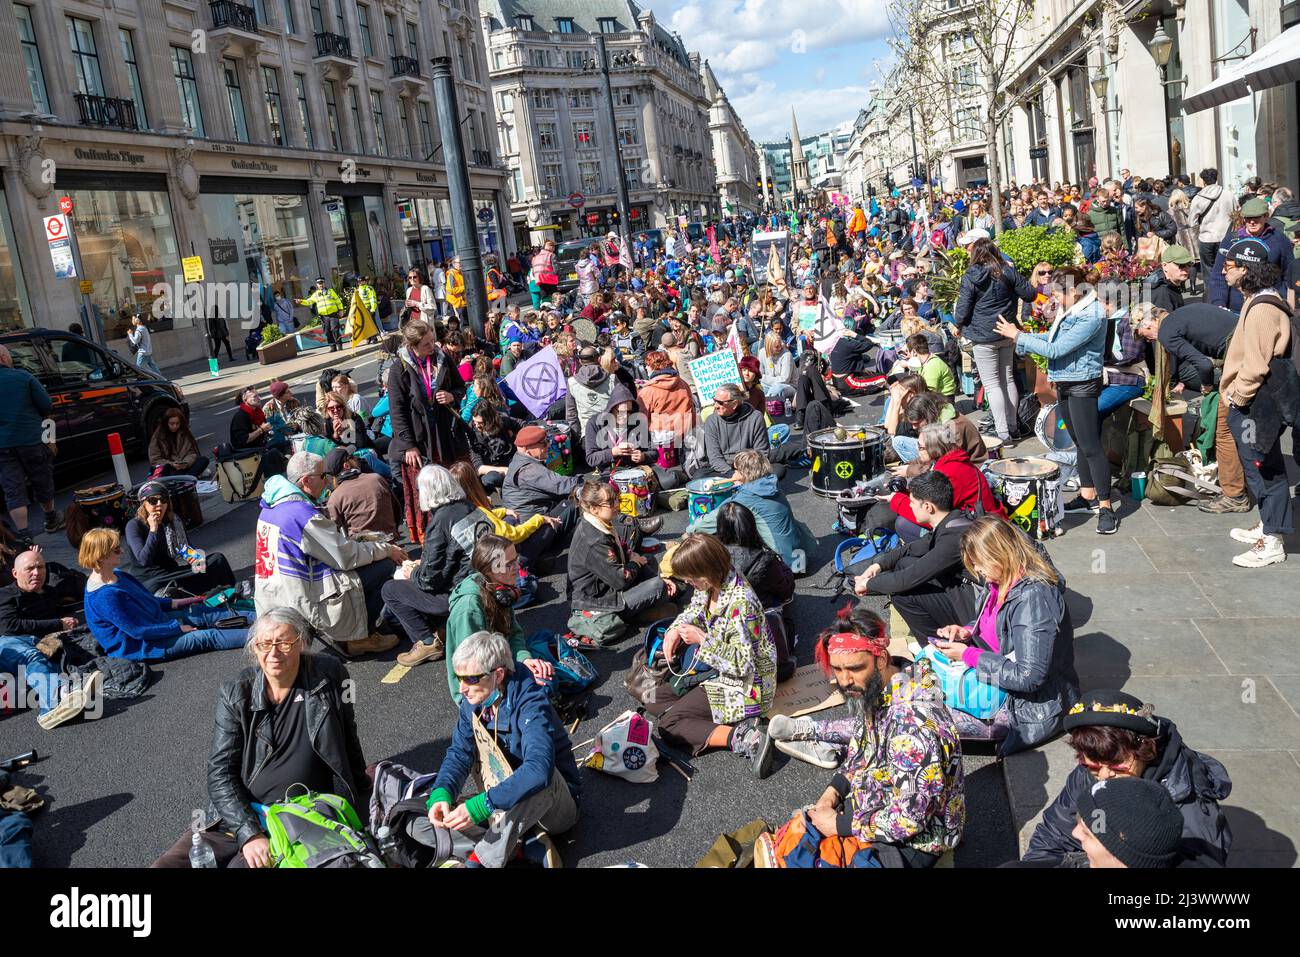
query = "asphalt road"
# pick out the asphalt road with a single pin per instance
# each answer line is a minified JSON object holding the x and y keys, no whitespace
{"x":122,"y":788}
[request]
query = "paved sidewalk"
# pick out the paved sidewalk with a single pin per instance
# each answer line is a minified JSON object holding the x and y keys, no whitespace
{"x":1160,"y":611}
{"x":201,"y":388}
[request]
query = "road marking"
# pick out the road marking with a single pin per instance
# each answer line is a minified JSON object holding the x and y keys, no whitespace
{"x":394,"y":676}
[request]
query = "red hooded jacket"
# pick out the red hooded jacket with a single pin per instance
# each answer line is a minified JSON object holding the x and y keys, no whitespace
{"x":968,"y":487}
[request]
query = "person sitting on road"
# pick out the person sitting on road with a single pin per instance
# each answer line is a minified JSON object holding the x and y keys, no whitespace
{"x":484,"y":600}
{"x":496,"y":518}
{"x":901,"y":789}
{"x":725,"y":620}
{"x":589,"y":391}
{"x":360,"y":501}
{"x":902,"y":389}
{"x":733,"y":427}
{"x":764,"y":569}
{"x":491,"y":444}
{"x":42,"y":597}
{"x":932,"y":368}
{"x":544,"y":786}
{"x":1021,"y":640}
{"x":304,"y":561}
{"x":343,"y":386}
{"x":619,"y":439}
{"x":777,"y":367}
{"x":56,"y":702}
{"x":1116,"y":736}
{"x":751,"y":376}
{"x":283,"y":402}
{"x":1127,"y":822}
{"x":129,"y":622}
{"x":173,"y":450}
{"x":609,"y":586}
{"x":158,"y":544}
{"x":854,"y":365}
{"x":925,"y":579}
{"x":343,"y":426}
{"x":288,"y":720}
{"x":530,"y":488}
{"x":759,"y":493}
{"x":420,"y":598}
{"x":666,"y":401}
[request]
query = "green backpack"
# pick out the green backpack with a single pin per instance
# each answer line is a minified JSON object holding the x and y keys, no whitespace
{"x":318,"y":830}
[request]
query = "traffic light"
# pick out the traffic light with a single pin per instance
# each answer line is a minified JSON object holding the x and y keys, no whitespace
{"x":613,"y":216}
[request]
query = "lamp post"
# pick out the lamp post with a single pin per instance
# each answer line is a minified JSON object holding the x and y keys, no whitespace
{"x":1161,"y":46}
{"x":1100,"y":84}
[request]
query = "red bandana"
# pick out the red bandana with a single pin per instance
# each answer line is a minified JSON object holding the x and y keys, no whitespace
{"x":849,"y":643}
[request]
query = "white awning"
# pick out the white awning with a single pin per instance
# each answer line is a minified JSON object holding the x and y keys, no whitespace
{"x":1273,"y":64}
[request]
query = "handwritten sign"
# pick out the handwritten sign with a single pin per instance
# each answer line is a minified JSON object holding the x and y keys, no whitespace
{"x":806,"y":691}
{"x":715,"y":369}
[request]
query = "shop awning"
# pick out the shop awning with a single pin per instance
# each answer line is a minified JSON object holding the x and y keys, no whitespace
{"x":1273,"y":64}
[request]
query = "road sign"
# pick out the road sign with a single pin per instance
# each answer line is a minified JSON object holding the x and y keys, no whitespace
{"x":65,"y":205}
{"x":192,"y":267}
{"x":485,"y":214}
{"x":57,"y":234}
{"x":577,"y":200}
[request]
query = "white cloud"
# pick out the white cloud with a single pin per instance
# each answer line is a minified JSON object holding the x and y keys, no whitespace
{"x":766,"y":112}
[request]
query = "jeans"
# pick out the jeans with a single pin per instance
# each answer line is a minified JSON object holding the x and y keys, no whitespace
{"x":1077,"y":405}
{"x":1265,"y":477}
{"x":206,"y":637}
{"x":19,"y":651}
{"x":908,"y":449}
{"x":995,"y":361}
{"x":778,"y":390}
{"x":196,"y":469}
{"x":145,"y":361}
{"x":1090,"y":246}
{"x":1114,"y":396}
{"x":418,"y":611}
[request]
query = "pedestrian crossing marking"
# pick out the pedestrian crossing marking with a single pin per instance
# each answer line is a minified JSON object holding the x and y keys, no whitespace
{"x":394,"y":676}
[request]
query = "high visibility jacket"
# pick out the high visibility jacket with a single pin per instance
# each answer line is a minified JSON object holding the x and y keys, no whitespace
{"x":326,"y":301}
{"x":455,"y":289}
{"x":368,"y":297}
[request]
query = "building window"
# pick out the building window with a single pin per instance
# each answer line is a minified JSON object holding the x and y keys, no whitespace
{"x":332,"y":115}
{"x":580,"y":99}
{"x":508,"y":140}
{"x":632,"y":171}
{"x":355,"y":106}
{"x":133,"y":76}
{"x":377,"y":114}
{"x":539,"y":57}
{"x":426,"y":130}
{"x":363,"y":22}
{"x":524,"y":23}
{"x":183,"y":71}
{"x":32,"y":57}
{"x":235,"y":98}
{"x":290,"y":21}
{"x":628,"y":134}
{"x":274,"y":113}
{"x":625,"y":97}
{"x":564,"y":24}
{"x":304,"y":115}
{"x":412,"y":42}
{"x":317,"y":18}
{"x":407,"y":132}
{"x":516,"y":186}
{"x":546,"y":136}
{"x":553,"y":179}
{"x":575,"y":58}
{"x":584,"y":135}
{"x":507,"y":102}
{"x":81,"y":37}
{"x":460,"y":58}
{"x":390,"y":27}
{"x":607,"y":24}
{"x":589,"y":176}
{"x":543,"y":99}
{"x":498,"y":60}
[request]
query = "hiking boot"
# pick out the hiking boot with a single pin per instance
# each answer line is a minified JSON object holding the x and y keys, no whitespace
{"x":1248,"y":536}
{"x":1080,"y":504}
{"x":650,"y":524}
{"x":986,"y":426}
{"x":1107,"y":521}
{"x":54,"y":523}
{"x":422,"y":651}
{"x":71,"y":705}
{"x":1267,"y":551}
{"x":1226,"y":503}
{"x":753,"y":742}
{"x":374,"y":645}
{"x":817,"y":753}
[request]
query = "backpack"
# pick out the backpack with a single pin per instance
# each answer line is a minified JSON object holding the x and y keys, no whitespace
{"x":399,"y":796}
{"x":574,"y":673}
{"x":1172,"y":480}
{"x":1027,"y":413}
{"x":798,"y":844}
{"x":785,"y":660}
{"x":318,"y":830}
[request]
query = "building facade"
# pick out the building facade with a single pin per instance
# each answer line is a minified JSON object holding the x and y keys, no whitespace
{"x":277,"y":141}
{"x":556,"y":140}
{"x":806,"y":164}
{"x":734,"y":153}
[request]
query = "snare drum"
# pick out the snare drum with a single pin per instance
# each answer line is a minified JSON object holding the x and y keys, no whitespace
{"x":841,"y":463}
{"x":633,"y":492}
{"x":994,"y":446}
{"x":1030,"y":489}
{"x":184,"y":495}
{"x":559,"y":454}
{"x":708,"y":494}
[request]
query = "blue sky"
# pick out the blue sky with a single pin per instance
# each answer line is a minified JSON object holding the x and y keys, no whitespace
{"x":816,"y":55}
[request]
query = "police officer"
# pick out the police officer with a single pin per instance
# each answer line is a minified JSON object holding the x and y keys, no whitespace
{"x":329,"y":307}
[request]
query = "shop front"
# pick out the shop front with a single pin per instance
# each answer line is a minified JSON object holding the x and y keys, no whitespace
{"x":356,"y":218}
{"x":420,"y":212}
{"x":15,"y":310}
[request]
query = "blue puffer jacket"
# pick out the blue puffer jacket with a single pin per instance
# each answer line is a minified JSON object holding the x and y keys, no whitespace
{"x":1074,"y":345}
{"x":777,"y":526}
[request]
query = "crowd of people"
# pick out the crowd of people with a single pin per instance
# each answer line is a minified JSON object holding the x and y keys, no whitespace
{"x":421,"y":509}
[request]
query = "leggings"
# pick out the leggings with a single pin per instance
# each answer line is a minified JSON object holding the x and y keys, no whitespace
{"x":1078,"y":409}
{"x":994,"y":362}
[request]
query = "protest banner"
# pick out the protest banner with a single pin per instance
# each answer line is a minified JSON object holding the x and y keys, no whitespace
{"x":538,"y":381}
{"x":715,"y":369}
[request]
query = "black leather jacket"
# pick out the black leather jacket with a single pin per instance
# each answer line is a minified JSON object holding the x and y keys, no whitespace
{"x":241,"y":742}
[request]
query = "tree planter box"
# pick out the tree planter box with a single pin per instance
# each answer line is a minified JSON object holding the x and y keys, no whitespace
{"x":281,"y":349}
{"x":1037,"y":384}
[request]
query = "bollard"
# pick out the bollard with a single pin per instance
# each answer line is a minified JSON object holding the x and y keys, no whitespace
{"x":119,"y":460}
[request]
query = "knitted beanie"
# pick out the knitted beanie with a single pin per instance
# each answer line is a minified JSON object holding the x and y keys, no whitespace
{"x":1135,"y":819}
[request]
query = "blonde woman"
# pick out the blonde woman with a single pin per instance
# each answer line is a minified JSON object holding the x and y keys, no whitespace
{"x":776,"y":366}
{"x":1022,"y":639}
{"x":347,"y":390}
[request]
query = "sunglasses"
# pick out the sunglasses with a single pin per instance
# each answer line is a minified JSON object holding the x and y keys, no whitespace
{"x":155,"y":500}
{"x":284,"y":647}
{"x":471,"y":679}
{"x":1094,"y":767}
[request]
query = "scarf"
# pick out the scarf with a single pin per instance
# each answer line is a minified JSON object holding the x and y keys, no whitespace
{"x":255,"y":415}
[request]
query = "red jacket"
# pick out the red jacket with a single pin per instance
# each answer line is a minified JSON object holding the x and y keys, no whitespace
{"x":968,"y":487}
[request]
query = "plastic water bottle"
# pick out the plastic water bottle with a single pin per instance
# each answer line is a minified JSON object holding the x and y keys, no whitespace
{"x":200,"y":854}
{"x":388,"y":846}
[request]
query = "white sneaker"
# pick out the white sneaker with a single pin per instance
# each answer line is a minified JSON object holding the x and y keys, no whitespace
{"x":1248,"y":536}
{"x":817,"y":753}
{"x":1267,"y":551}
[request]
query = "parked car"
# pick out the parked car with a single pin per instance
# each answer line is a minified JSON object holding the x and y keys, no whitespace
{"x":567,"y":255}
{"x":95,"y":391}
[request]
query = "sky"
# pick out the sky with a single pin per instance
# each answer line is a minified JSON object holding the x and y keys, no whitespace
{"x":816,"y":55}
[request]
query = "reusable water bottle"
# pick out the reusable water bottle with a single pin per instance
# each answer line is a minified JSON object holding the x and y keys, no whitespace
{"x":200,"y":854}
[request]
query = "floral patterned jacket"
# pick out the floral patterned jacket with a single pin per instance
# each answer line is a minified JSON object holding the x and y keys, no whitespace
{"x":738,"y":643}
{"x":902,"y":782}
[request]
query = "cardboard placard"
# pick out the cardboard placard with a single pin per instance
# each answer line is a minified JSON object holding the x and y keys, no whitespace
{"x":807,"y":690}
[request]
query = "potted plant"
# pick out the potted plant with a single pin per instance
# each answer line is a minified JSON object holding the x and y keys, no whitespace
{"x":276,"y":346}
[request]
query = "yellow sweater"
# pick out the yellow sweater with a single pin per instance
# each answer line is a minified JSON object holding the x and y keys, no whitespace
{"x":511,"y":533}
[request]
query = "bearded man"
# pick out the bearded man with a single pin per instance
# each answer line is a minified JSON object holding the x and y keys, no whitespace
{"x":901,"y":788}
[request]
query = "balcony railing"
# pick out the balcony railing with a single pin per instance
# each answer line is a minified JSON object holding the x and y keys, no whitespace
{"x":331,"y":44}
{"x":108,"y":111}
{"x":482,"y":157}
{"x":406,"y":66}
{"x":227,"y":13}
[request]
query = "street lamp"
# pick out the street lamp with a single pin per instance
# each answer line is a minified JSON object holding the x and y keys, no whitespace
{"x":1099,"y":84}
{"x":1162,"y":48}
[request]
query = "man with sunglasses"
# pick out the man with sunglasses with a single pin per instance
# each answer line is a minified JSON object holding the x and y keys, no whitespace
{"x":543,"y":786}
{"x":1254,"y":214}
{"x":1115,"y":735}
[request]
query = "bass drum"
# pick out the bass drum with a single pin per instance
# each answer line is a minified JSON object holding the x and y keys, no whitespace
{"x":840,"y":463}
{"x":1030,"y":490}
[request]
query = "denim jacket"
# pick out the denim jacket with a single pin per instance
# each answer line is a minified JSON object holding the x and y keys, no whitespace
{"x":1074,"y":345}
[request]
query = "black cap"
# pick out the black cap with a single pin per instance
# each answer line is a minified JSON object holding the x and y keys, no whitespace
{"x":336,"y":462}
{"x":1135,"y":819}
{"x":1114,"y":708}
